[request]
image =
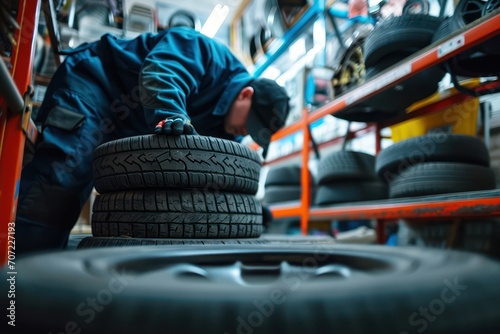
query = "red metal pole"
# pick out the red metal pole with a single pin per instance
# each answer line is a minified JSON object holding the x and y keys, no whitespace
{"x":305,"y":180}
{"x":13,"y":137}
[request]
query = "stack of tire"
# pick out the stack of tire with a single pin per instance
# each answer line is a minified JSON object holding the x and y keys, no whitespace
{"x":348,"y":176}
{"x":446,"y":165}
{"x":481,"y":60}
{"x":437,"y":163}
{"x":391,"y":41}
{"x":283,"y":184}
{"x":154,"y":187}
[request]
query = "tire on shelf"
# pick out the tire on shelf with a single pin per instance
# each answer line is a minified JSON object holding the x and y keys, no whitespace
{"x":285,"y":193}
{"x":478,"y":61}
{"x":346,"y":165}
{"x":283,"y":175}
{"x":306,"y":288}
{"x":480,"y":235}
{"x":401,"y":96}
{"x":406,"y":33}
{"x":492,"y":46}
{"x":404,"y":94}
{"x":433,"y":178}
{"x":176,"y":214}
{"x":350,"y":191}
{"x":442,"y":147}
{"x":155,"y":161}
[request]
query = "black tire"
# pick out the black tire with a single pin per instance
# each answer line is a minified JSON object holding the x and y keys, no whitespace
{"x":441,"y":147}
{"x":406,"y":33}
{"x":283,"y":226}
{"x":353,"y":191}
{"x":415,"y":7}
{"x":441,"y":178}
{"x":365,"y":112}
{"x":404,"y":94}
{"x":98,"y":13}
{"x":176,"y":214}
{"x":283,"y":175}
{"x":153,"y":161}
{"x":492,"y":46}
{"x":375,"y":108}
{"x":256,"y":48}
{"x":478,"y":61}
{"x":346,"y":166}
{"x":290,"y":289}
{"x":468,"y":11}
{"x":277,"y":194}
{"x":184,"y":18}
{"x":395,"y":100}
{"x":480,"y":235}
{"x":99,"y":242}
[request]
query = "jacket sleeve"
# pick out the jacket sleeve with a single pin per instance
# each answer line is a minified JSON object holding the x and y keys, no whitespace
{"x":176,"y":68}
{"x":173,"y":70}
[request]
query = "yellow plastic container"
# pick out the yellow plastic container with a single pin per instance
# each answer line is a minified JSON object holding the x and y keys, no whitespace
{"x":462,"y":117}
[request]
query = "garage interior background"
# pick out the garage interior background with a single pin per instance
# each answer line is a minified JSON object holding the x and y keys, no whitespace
{"x":290,"y":69}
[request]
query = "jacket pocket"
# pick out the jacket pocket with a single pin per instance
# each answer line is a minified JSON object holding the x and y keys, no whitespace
{"x":64,"y":119}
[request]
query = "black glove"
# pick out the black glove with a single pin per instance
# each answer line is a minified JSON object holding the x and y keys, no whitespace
{"x":175,"y":125}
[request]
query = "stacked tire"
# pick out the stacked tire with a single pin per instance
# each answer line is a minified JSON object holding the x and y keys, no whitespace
{"x":283,"y":184}
{"x":478,"y":61}
{"x":441,"y":164}
{"x":393,"y":40}
{"x":437,"y":163}
{"x":348,"y":176}
{"x":176,"y":187}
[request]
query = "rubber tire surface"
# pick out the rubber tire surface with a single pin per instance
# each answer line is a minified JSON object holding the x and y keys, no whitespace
{"x":283,"y":175}
{"x":408,"y":33}
{"x":481,"y":60}
{"x":186,"y":161}
{"x":350,"y":191}
{"x":434,"y":178}
{"x":277,"y":194}
{"x":376,"y":108}
{"x":474,"y":234}
{"x":346,"y":165}
{"x":441,"y":147}
{"x":404,"y":94}
{"x":393,"y":101}
{"x":98,"y":242}
{"x":176,"y":214}
{"x":133,"y":294}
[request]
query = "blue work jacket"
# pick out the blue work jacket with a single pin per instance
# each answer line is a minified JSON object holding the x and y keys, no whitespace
{"x":153,"y":76}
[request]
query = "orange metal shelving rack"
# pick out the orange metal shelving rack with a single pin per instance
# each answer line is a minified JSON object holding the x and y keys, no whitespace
{"x":488,"y":205}
{"x":16,"y":125}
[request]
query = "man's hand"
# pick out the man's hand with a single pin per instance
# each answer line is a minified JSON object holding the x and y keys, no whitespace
{"x":175,"y":125}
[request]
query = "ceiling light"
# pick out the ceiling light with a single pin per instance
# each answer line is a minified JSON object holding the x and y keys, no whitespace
{"x":215,"y":20}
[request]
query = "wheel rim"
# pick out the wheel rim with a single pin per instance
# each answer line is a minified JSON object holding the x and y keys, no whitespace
{"x":416,"y":7}
{"x":252,"y":267}
{"x":471,"y":11}
{"x":352,"y":71}
{"x":490,"y":6}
